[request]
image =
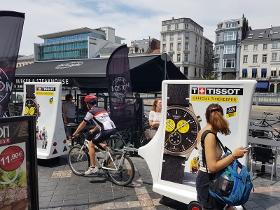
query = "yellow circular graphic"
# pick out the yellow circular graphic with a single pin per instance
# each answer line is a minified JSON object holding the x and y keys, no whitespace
{"x":183,"y":126}
{"x":170,"y":125}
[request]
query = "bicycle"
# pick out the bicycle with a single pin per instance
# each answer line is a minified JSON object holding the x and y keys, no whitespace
{"x":116,"y":164}
{"x":273,"y":134}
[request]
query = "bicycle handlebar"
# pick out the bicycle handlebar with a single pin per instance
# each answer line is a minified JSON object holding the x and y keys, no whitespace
{"x":267,"y":113}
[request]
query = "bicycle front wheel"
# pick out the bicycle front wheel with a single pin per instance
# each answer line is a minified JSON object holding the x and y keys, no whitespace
{"x":121,"y":170}
{"x":78,"y":160}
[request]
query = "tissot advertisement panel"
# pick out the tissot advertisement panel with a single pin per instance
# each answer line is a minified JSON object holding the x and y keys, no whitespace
{"x":171,"y":155}
{"x":43,"y":100}
{"x":17,"y":164}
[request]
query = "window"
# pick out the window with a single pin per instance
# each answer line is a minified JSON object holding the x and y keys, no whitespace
{"x":179,"y":46}
{"x":171,"y":46}
{"x":185,"y":70}
{"x":230,"y":35}
{"x":179,"y":36}
{"x":264,"y":58}
{"x":229,"y":49}
{"x":164,"y":47}
{"x":263,"y":73}
{"x":186,"y":25}
{"x":168,"y":27}
{"x":255,"y":58}
{"x":178,"y":57}
{"x":244,"y":73}
{"x":264,"y":46}
{"x":186,"y":46}
{"x":164,"y":37}
{"x":245,"y":59}
{"x":217,"y":50}
{"x":273,"y":73}
{"x":171,"y":38}
{"x":176,"y":26}
{"x":254,"y":73}
{"x":274,"y":45}
{"x":186,"y":57}
{"x":255,"y":47}
{"x":245,"y":47}
{"x":274,"y":57}
{"x":195,"y":72}
{"x":229,"y":63}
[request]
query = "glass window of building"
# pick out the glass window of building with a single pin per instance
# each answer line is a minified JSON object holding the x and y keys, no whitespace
{"x":255,"y":47}
{"x":185,"y":70}
{"x":255,"y":58}
{"x":254,"y":73}
{"x":273,"y":73}
{"x":176,"y":26}
{"x":164,"y":37}
{"x":274,"y":56}
{"x":229,"y":63}
{"x":264,"y":46}
{"x":171,"y":46}
{"x":245,"y":58}
{"x":178,"y":57}
{"x":274,"y":45}
{"x":171,"y":38}
{"x":164,"y":47}
{"x":179,"y":36}
{"x":229,"y":35}
{"x":245,"y":47}
{"x":186,"y":46}
{"x":229,"y":49}
{"x":186,"y":59}
{"x":168,"y":27}
{"x":179,"y":46}
{"x":263,"y":73}
{"x":186,"y":26}
{"x":244,"y":73}
{"x":264,"y":58}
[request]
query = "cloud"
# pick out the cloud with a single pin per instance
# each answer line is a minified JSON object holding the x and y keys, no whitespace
{"x":134,"y":19}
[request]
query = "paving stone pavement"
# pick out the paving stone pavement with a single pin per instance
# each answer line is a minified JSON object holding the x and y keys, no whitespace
{"x":59,"y":189}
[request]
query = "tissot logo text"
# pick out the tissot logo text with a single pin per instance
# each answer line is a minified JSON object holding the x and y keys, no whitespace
{"x":217,"y":91}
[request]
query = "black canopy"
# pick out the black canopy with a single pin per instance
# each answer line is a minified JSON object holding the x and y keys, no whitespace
{"x":147,"y":73}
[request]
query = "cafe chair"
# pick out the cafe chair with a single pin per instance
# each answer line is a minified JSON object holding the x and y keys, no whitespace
{"x":264,"y":156}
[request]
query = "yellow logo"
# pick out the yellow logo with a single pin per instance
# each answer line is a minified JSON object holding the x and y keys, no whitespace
{"x":217,"y":99}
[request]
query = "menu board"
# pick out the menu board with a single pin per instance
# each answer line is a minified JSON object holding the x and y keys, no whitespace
{"x":18,"y":179}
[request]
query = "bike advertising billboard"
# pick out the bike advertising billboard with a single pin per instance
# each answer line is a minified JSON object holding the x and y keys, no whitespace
{"x":172,"y":155}
{"x":18,"y":167}
{"x":43,"y":100}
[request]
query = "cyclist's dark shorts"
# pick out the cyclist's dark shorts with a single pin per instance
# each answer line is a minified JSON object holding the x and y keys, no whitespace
{"x":97,"y":138}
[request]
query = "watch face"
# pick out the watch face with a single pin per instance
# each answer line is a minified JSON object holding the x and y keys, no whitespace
{"x":181,"y":130}
{"x":31,"y":108}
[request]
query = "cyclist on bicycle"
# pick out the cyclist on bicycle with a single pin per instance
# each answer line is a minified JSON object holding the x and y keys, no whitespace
{"x":103,"y":128}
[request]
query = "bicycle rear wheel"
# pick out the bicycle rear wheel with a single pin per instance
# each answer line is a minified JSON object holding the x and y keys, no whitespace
{"x":78,"y":160}
{"x":122,"y":169}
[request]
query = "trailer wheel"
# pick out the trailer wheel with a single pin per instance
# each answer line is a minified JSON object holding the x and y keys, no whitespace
{"x":194,"y":205}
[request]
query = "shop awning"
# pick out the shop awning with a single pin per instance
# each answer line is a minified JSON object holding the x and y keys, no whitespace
{"x":147,"y":73}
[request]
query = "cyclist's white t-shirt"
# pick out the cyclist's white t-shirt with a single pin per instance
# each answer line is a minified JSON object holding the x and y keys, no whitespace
{"x":100,"y":117}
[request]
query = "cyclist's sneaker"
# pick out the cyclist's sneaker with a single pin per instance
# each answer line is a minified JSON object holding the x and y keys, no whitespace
{"x":91,"y":170}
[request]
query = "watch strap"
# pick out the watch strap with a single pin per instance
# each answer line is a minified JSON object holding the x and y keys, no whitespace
{"x":178,"y":94}
{"x":30,"y":91}
{"x":173,"y":168}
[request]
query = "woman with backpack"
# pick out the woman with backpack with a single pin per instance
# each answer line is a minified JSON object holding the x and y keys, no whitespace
{"x":211,"y":160}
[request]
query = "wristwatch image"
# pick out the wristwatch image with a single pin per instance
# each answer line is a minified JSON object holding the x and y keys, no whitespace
{"x":181,"y":129}
{"x":31,"y":107}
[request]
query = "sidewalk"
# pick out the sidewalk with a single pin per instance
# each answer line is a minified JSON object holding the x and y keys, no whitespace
{"x":59,"y":189}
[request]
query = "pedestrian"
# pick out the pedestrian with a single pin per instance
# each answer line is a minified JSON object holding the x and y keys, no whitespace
{"x":214,"y":162}
{"x":154,"y":119}
{"x":68,"y":113}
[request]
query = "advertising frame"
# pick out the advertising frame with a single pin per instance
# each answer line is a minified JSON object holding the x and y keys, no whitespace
{"x":30,"y":157}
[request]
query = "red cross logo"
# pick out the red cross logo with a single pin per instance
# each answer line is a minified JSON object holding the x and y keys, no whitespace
{"x":201,"y":90}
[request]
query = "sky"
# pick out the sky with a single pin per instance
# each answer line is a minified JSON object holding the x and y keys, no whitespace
{"x":134,"y":19}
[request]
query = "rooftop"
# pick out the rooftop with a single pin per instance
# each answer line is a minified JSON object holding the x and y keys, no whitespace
{"x":266,"y":33}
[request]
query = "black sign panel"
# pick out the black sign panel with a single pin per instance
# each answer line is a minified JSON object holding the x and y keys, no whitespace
{"x":18,"y":166}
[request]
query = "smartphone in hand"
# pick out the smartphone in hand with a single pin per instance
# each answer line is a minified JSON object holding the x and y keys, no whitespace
{"x":248,"y":147}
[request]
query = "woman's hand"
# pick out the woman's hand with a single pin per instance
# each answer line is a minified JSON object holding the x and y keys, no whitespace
{"x":239,"y":152}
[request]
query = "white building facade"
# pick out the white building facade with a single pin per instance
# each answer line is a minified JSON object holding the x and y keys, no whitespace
{"x":183,"y":40}
{"x":260,"y":57}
